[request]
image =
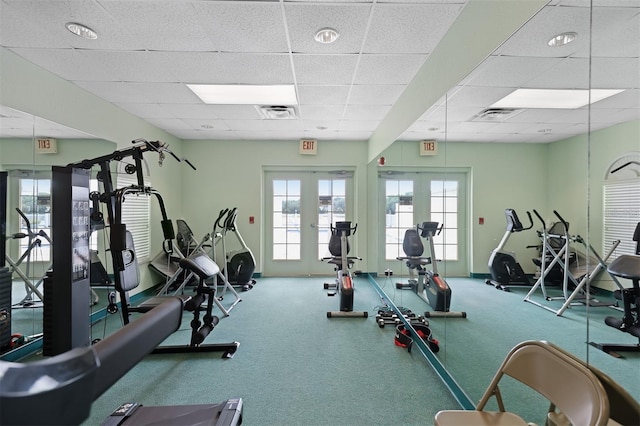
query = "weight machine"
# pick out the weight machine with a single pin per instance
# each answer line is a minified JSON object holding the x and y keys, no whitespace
{"x":628,"y":267}
{"x":562,"y":257}
{"x":70,"y":192}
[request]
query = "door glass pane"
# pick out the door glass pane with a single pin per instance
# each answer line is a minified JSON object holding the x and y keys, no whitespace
{"x":286,"y":219}
{"x":35,"y":204}
{"x":398,"y":215}
{"x":444,"y":209}
{"x":331,"y":209}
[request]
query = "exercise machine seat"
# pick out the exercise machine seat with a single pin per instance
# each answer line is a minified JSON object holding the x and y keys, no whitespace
{"x":201,"y":264}
{"x":626,"y":266}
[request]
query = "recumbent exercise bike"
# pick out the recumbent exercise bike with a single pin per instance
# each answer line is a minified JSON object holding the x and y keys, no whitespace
{"x":428,"y":285}
{"x":339,"y":249}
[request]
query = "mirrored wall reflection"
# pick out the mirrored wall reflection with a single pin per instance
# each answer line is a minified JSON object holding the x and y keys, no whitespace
{"x":29,"y":146}
{"x":520,"y":157}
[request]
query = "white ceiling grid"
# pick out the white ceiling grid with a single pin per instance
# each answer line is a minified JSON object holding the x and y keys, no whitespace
{"x":147,"y":51}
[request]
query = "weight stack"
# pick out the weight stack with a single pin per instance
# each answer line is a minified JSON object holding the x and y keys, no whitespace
{"x":5,"y":309}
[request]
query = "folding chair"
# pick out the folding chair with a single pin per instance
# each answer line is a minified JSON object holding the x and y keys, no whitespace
{"x":565,"y":381}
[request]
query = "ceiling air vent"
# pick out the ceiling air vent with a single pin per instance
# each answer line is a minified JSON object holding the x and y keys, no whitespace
{"x":495,"y":114}
{"x":277,"y":112}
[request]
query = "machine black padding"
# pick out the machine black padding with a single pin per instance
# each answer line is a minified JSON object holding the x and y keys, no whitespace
{"x":411,"y":244}
{"x":51,"y":391}
{"x":123,"y":349}
{"x":626,"y":266}
{"x":201,"y":264}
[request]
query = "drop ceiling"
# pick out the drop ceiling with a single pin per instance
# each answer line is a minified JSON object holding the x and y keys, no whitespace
{"x":148,"y":51}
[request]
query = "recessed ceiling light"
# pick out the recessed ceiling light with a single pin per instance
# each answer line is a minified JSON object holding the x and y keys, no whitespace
{"x":326,"y":35}
{"x":238,"y":94}
{"x":81,"y":30}
{"x":562,"y":39}
{"x":553,"y":98}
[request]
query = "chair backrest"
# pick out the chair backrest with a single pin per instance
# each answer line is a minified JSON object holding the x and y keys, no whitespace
{"x":623,"y":408}
{"x":412,"y":244}
{"x":564,"y":381}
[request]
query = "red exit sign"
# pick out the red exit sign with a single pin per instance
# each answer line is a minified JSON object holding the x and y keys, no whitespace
{"x":428,"y":148}
{"x":308,"y":146}
{"x":46,"y":146}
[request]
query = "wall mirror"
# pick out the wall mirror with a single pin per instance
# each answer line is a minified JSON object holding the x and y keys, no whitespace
{"x":524,"y":157}
{"x":27,"y":157}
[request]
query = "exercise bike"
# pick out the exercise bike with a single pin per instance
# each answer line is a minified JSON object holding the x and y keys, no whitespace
{"x":503,"y":266}
{"x":339,"y":249}
{"x":428,"y":285}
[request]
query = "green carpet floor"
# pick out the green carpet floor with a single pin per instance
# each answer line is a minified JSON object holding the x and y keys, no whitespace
{"x":295,"y":366}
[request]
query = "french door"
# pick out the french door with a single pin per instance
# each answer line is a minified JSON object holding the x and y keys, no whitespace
{"x":410,"y":198}
{"x":300,"y":208}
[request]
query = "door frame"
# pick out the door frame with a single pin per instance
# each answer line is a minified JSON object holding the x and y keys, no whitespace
{"x":309,"y":177}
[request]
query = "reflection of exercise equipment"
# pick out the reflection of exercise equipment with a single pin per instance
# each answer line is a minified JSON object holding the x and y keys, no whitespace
{"x":428,"y":285}
{"x":563,"y":258}
{"x":387,"y":316}
{"x":239,"y":264}
{"x":70,"y":192}
{"x":5,"y":274}
{"x":339,"y":249}
{"x":61,"y":389}
{"x":505,"y":269}
{"x":35,"y":240}
{"x":628,"y":267}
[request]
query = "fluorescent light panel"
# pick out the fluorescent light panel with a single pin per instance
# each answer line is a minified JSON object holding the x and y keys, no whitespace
{"x":237,"y":94}
{"x":552,"y":98}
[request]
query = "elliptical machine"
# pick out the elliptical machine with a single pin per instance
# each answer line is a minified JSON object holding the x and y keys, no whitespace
{"x":339,"y":249}
{"x":505,"y":270}
{"x":428,"y":285}
{"x":239,"y":264}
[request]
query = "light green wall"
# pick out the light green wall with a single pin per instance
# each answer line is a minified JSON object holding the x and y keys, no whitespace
{"x":575,"y":190}
{"x":500,"y":176}
{"x":520,"y":176}
{"x":230,"y":174}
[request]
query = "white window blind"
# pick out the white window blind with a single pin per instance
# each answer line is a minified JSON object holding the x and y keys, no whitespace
{"x":621,"y":214}
{"x":135,"y":214}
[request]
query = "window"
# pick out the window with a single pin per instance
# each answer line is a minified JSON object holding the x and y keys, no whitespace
{"x":398,"y":215}
{"x":286,"y":219}
{"x":35,"y":204}
{"x":135,"y":214}
{"x":331,"y":209}
{"x":444,"y":210}
{"x":621,"y":201}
